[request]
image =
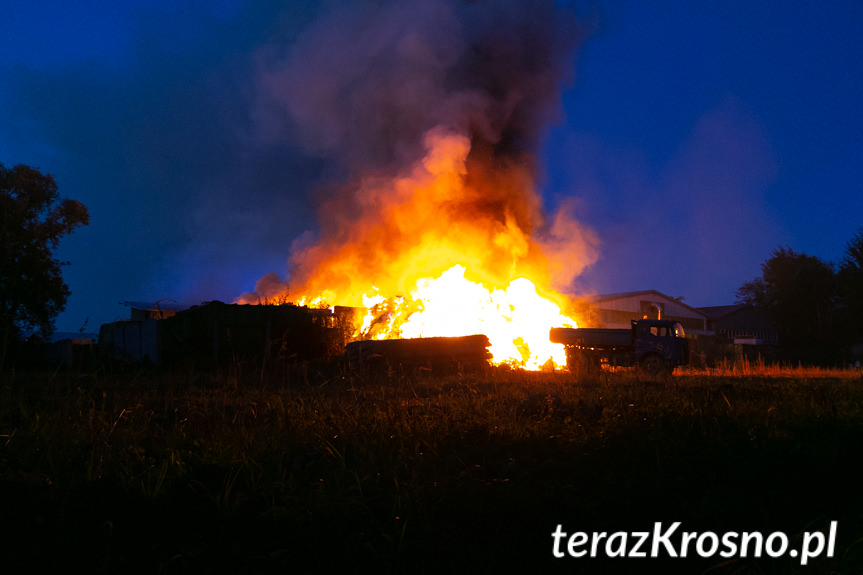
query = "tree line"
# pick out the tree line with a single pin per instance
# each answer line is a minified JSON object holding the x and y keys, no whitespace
{"x":817,"y":306}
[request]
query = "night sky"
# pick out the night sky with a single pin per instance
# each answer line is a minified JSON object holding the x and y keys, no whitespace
{"x":694,"y":138}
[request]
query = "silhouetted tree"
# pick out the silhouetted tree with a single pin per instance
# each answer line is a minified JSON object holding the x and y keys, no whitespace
{"x":850,"y":283}
{"x":33,"y":219}
{"x":799,"y":293}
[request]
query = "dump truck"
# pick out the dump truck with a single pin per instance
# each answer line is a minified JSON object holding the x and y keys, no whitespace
{"x":653,"y":346}
{"x":437,"y":354}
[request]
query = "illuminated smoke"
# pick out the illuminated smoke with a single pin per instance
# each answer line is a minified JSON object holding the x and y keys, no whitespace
{"x":433,"y":113}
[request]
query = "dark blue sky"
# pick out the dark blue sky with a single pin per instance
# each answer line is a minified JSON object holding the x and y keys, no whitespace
{"x":695,"y":139}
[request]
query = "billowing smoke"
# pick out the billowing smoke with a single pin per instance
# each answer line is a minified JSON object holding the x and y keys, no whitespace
{"x":432,"y":113}
{"x":366,"y":80}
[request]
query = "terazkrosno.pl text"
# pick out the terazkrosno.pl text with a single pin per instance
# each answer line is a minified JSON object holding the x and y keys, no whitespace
{"x":670,"y":541}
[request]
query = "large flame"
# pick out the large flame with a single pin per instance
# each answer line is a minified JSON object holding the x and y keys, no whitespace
{"x":516,"y":319}
{"x":455,"y":247}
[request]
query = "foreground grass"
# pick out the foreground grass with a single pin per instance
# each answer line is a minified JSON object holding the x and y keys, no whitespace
{"x":163,"y":473}
{"x":743,"y":367}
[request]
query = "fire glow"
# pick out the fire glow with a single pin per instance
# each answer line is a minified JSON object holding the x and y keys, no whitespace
{"x":514,"y":319}
{"x":446,"y":250}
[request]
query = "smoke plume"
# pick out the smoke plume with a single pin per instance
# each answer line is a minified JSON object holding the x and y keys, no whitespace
{"x":431,"y":114}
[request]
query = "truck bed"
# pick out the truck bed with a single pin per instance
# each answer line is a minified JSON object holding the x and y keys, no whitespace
{"x":591,"y":337}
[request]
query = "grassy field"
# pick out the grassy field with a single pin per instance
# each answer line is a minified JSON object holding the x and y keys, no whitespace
{"x":312,"y":472}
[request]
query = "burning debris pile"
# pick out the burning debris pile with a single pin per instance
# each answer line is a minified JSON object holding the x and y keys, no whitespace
{"x":430,"y":353}
{"x":434,"y":112}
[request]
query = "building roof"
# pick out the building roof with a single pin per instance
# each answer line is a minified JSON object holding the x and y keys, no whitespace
{"x":720,"y":311}
{"x":598,"y":298}
{"x":160,"y":305}
{"x":621,"y":295}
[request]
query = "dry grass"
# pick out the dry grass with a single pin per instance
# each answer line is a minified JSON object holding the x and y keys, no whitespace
{"x":759,"y":368}
{"x":319,"y":472}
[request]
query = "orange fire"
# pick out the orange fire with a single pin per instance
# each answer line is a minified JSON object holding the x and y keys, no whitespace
{"x":515,"y":319}
{"x":459,"y":245}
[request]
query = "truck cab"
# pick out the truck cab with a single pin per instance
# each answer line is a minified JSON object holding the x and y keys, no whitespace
{"x":659,"y":344}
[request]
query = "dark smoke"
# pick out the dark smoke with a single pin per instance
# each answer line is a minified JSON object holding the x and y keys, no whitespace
{"x":364,"y":83}
{"x":205,"y":147}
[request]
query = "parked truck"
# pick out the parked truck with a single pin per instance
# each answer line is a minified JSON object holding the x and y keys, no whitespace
{"x":653,"y":346}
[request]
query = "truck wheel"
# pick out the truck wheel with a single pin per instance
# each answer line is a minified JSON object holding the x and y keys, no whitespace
{"x":653,"y":367}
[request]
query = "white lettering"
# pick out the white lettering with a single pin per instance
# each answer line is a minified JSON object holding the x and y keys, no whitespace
{"x":714,"y":544}
{"x":773,"y":537}
{"x":706,"y":544}
{"x":664,"y":539}
{"x":744,"y":543}
{"x":640,"y":538}
{"x":685,"y":539}
{"x":574,"y":543}
{"x":831,"y":545}
{"x":621,"y":546}
{"x":729,"y":544}
{"x":597,"y":537}
{"x":807,"y":552}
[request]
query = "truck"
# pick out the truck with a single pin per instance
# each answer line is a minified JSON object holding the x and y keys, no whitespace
{"x":654,"y":346}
